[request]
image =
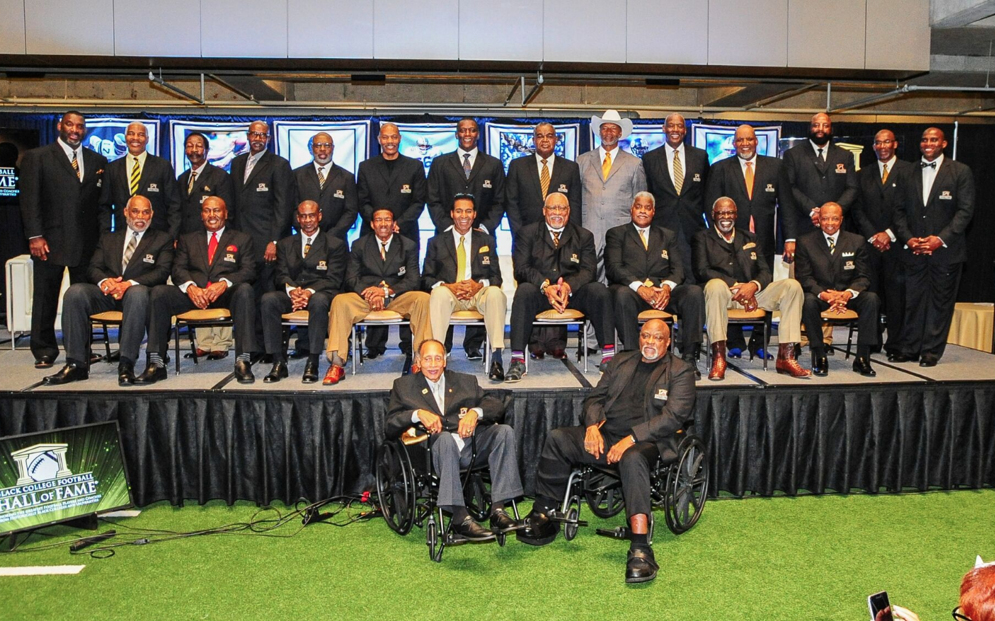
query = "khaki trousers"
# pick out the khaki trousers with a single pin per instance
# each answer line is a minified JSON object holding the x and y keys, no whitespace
{"x":489,"y":302}
{"x":218,"y":338}
{"x":350,"y":308}
{"x":785,"y":295}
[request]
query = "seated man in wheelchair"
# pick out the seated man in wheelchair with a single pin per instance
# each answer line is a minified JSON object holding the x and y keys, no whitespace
{"x":454,"y":410}
{"x":625,"y":426}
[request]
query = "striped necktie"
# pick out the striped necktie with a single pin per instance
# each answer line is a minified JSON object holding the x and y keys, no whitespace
{"x":307,"y":246}
{"x":678,"y":172}
{"x":193,"y":178}
{"x":544,"y":179}
{"x":129,"y":251}
{"x":321,"y":178}
{"x":832,"y":245}
{"x":75,"y":165}
{"x":642,"y":236}
{"x":136,"y":173}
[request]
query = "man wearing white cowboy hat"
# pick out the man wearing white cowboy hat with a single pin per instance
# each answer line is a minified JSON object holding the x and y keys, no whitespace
{"x":610,"y":178}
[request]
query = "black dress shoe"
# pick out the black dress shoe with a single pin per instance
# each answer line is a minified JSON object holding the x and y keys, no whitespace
{"x":690,"y":359}
{"x":471,"y":531}
{"x":125,"y":374}
{"x":277,"y":373}
{"x":373,"y":354}
{"x":862,"y":365}
{"x":243,"y":372}
{"x":151,"y":375}
{"x":72,"y":372}
{"x":900,"y":357}
{"x":928,"y":360}
{"x":501,"y":522}
{"x":299,"y":353}
{"x":820,"y":365}
{"x":407,"y":365}
{"x":310,"y":370}
{"x":539,"y":529}
{"x":217,"y":355}
{"x":496,"y":373}
{"x":515,"y":372}
{"x":474,"y":353}
{"x":641,"y":566}
{"x":44,"y":362}
{"x":95,"y":358}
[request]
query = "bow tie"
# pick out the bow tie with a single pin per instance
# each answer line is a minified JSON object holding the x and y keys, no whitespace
{"x":928,"y":164}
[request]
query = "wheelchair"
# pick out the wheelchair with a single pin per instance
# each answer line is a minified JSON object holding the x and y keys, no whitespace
{"x":408,"y":489}
{"x":679,"y":488}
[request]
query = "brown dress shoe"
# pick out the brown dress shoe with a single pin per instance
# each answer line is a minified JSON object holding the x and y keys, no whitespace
{"x":718,"y":372}
{"x":335,"y":375}
{"x":786,"y":363}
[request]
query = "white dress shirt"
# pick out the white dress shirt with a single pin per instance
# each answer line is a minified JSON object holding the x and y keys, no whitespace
{"x":836,"y":237}
{"x":79,"y":155}
{"x":635,"y":284}
{"x":670,"y":160}
{"x":220,"y":233}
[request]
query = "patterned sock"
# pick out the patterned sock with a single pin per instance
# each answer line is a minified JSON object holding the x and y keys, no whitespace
{"x":155,"y":360}
{"x":244,"y":357}
{"x":518,"y":356}
{"x":607,"y":353}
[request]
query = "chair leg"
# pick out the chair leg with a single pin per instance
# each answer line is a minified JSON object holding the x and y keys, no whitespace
{"x":583,"y":343}
{"x":767,"y":330}
{"x":355,"y":336}
{"x":107,"y":342}
{"x":849,"y":340}
{"x":176,"y":352}
{"x":193,"y":344}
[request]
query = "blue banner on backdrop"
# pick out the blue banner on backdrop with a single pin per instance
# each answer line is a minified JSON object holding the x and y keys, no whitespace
{"x":105,"y":135}
{"x":717,"y":140}
{"x":643,"y":138}
{"x":507,"y":142}
{"x":228,"y":140}
{"x":351,"y":140}
{"x":427,"y":141}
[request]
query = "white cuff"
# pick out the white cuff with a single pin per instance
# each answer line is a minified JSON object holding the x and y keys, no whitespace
{"x":227,"y":282}
{"x":891,"y":235}
{"x":671,"y":284}
{"x":485,"y":282}
{"x":635,"y":284}
{"x":133,"y":282}
{"x":414,"y":417}
{"x":853,"y":294}
{"x":185,"y":286}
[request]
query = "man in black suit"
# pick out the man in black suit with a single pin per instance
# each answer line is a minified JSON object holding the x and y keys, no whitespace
{"x":263,"y":185}
{"x":813,"y":173}
{"x":645,"y":272}
{"x":462,"y":273}
{"x":195,"y":184}
{"x":201,"y":180}
{"x":140,"y":172}
{"x":633,"y":417}
{"x":382,"y":275}
{"x":532,"y":177}
{"x":931,"y":221}
{"x":214,"y":268}
{"x":555,"y":263}
{"x":461,"y":419}
{"x":728,"y":260}
{"x":60,"y":201}
{"x":833,"y":270}
{"x":124,"y":268}
{"x":881,"y":188}
{"x":310,"y":267}
{"x":676,"y":174}
{"x":395,"y":182}
{"x":329,"y":185}
{"x":467,"y":171}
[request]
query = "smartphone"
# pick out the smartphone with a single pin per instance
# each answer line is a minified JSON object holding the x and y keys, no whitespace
{"x":880,"y":607}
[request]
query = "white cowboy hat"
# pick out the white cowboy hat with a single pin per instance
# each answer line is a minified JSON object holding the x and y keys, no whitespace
{"x":612,"y":116}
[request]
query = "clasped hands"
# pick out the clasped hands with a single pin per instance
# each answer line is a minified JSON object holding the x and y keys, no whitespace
{"x":202,"y":298}
{"x":837,"y":300}
{"x":465,"y":289}
{"x":115,"y":287}
{"x":745,"y":294}
{"x":432,"y":422}
{"x":657,"y":297}
{"x":299,"y":298}
{"x":925,"y":245}
{"x":881,"y":241}
{"x":558,"y":294}
{"x":374,"y":296}
{"x":594,"y":443}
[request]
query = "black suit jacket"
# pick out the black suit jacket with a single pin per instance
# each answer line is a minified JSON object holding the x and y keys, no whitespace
{"x":446,"y":179}
{"x":726,"y":178}
{"x":212,"y":181}
{"x":157,"y":183}
{"x":536,"y":260}
{"x":402,"y":189}
{"x":337,"y":201}
{"x":55,"y":204}
{"x":628,"y":261}
{"x":714,"y":258}
{"x":234,"y":259}
{"x":264,"y":204}
{"x":679,"y":213}
{"x":149,"y":265}
{"x":523,"y":192}
{"x":367,"y":269}
{"x":876,"y":202}
{"x":846,"y":268}
{"x":668,"y":401}
{"x":411,"y":392}
{"x":322,"y":270}
{"x":808,"y":184}
{"x":946,"y":214}
{"x":440,"y":260}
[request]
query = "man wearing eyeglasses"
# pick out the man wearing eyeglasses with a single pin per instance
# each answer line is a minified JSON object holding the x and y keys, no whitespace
{"x":328,"y":184}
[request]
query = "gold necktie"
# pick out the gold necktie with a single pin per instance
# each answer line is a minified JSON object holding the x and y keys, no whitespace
{"x":460,"y":259}
{"x":832,"y":245}
{"x":321,"y":178}
{"x":75,"y":166}
{"x":193,"y":178}
{"x":606,"y":166}
{"x":556,"y":239}
{"x":884,"y":175}
{"x":135,"y":174}
{"x":678,"y":172}
{"x":383,"y":250}
{"x":749,"y":180}
{"x":642,"y":236}
{"x":544,"y":179}
{"x":307,"y":246}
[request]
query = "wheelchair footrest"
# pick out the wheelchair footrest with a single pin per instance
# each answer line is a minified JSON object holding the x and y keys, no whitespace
{"x":559,"y":516}
{"x":615,"y":533}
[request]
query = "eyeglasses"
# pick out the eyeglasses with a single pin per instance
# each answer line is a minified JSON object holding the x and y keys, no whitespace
{"x":259,"y":134}
{"x":958,"y":616}
{"x":324,"y":145}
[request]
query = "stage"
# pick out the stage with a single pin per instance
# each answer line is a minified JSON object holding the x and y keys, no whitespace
{"x":199,"y":435}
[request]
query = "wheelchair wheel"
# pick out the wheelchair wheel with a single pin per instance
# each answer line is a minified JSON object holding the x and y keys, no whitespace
{"x":570,"y":527}
{"x":603,"y":494}
{"x":432,"y":540}
{"x":477,"y":497}
{"x":687,"y":486}
{"x":396,"y":487}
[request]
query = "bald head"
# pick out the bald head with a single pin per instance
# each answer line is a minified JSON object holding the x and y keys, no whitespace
{"x":745,"y":142}
{"x":820,"y":129}
{"x":654,"y":339}
{"x":322,"y":148}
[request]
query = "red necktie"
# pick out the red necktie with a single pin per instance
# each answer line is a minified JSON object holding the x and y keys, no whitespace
{"x":212,"y":246}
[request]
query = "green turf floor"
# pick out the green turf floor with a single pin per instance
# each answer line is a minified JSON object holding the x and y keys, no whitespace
{"x":783,"y":558}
